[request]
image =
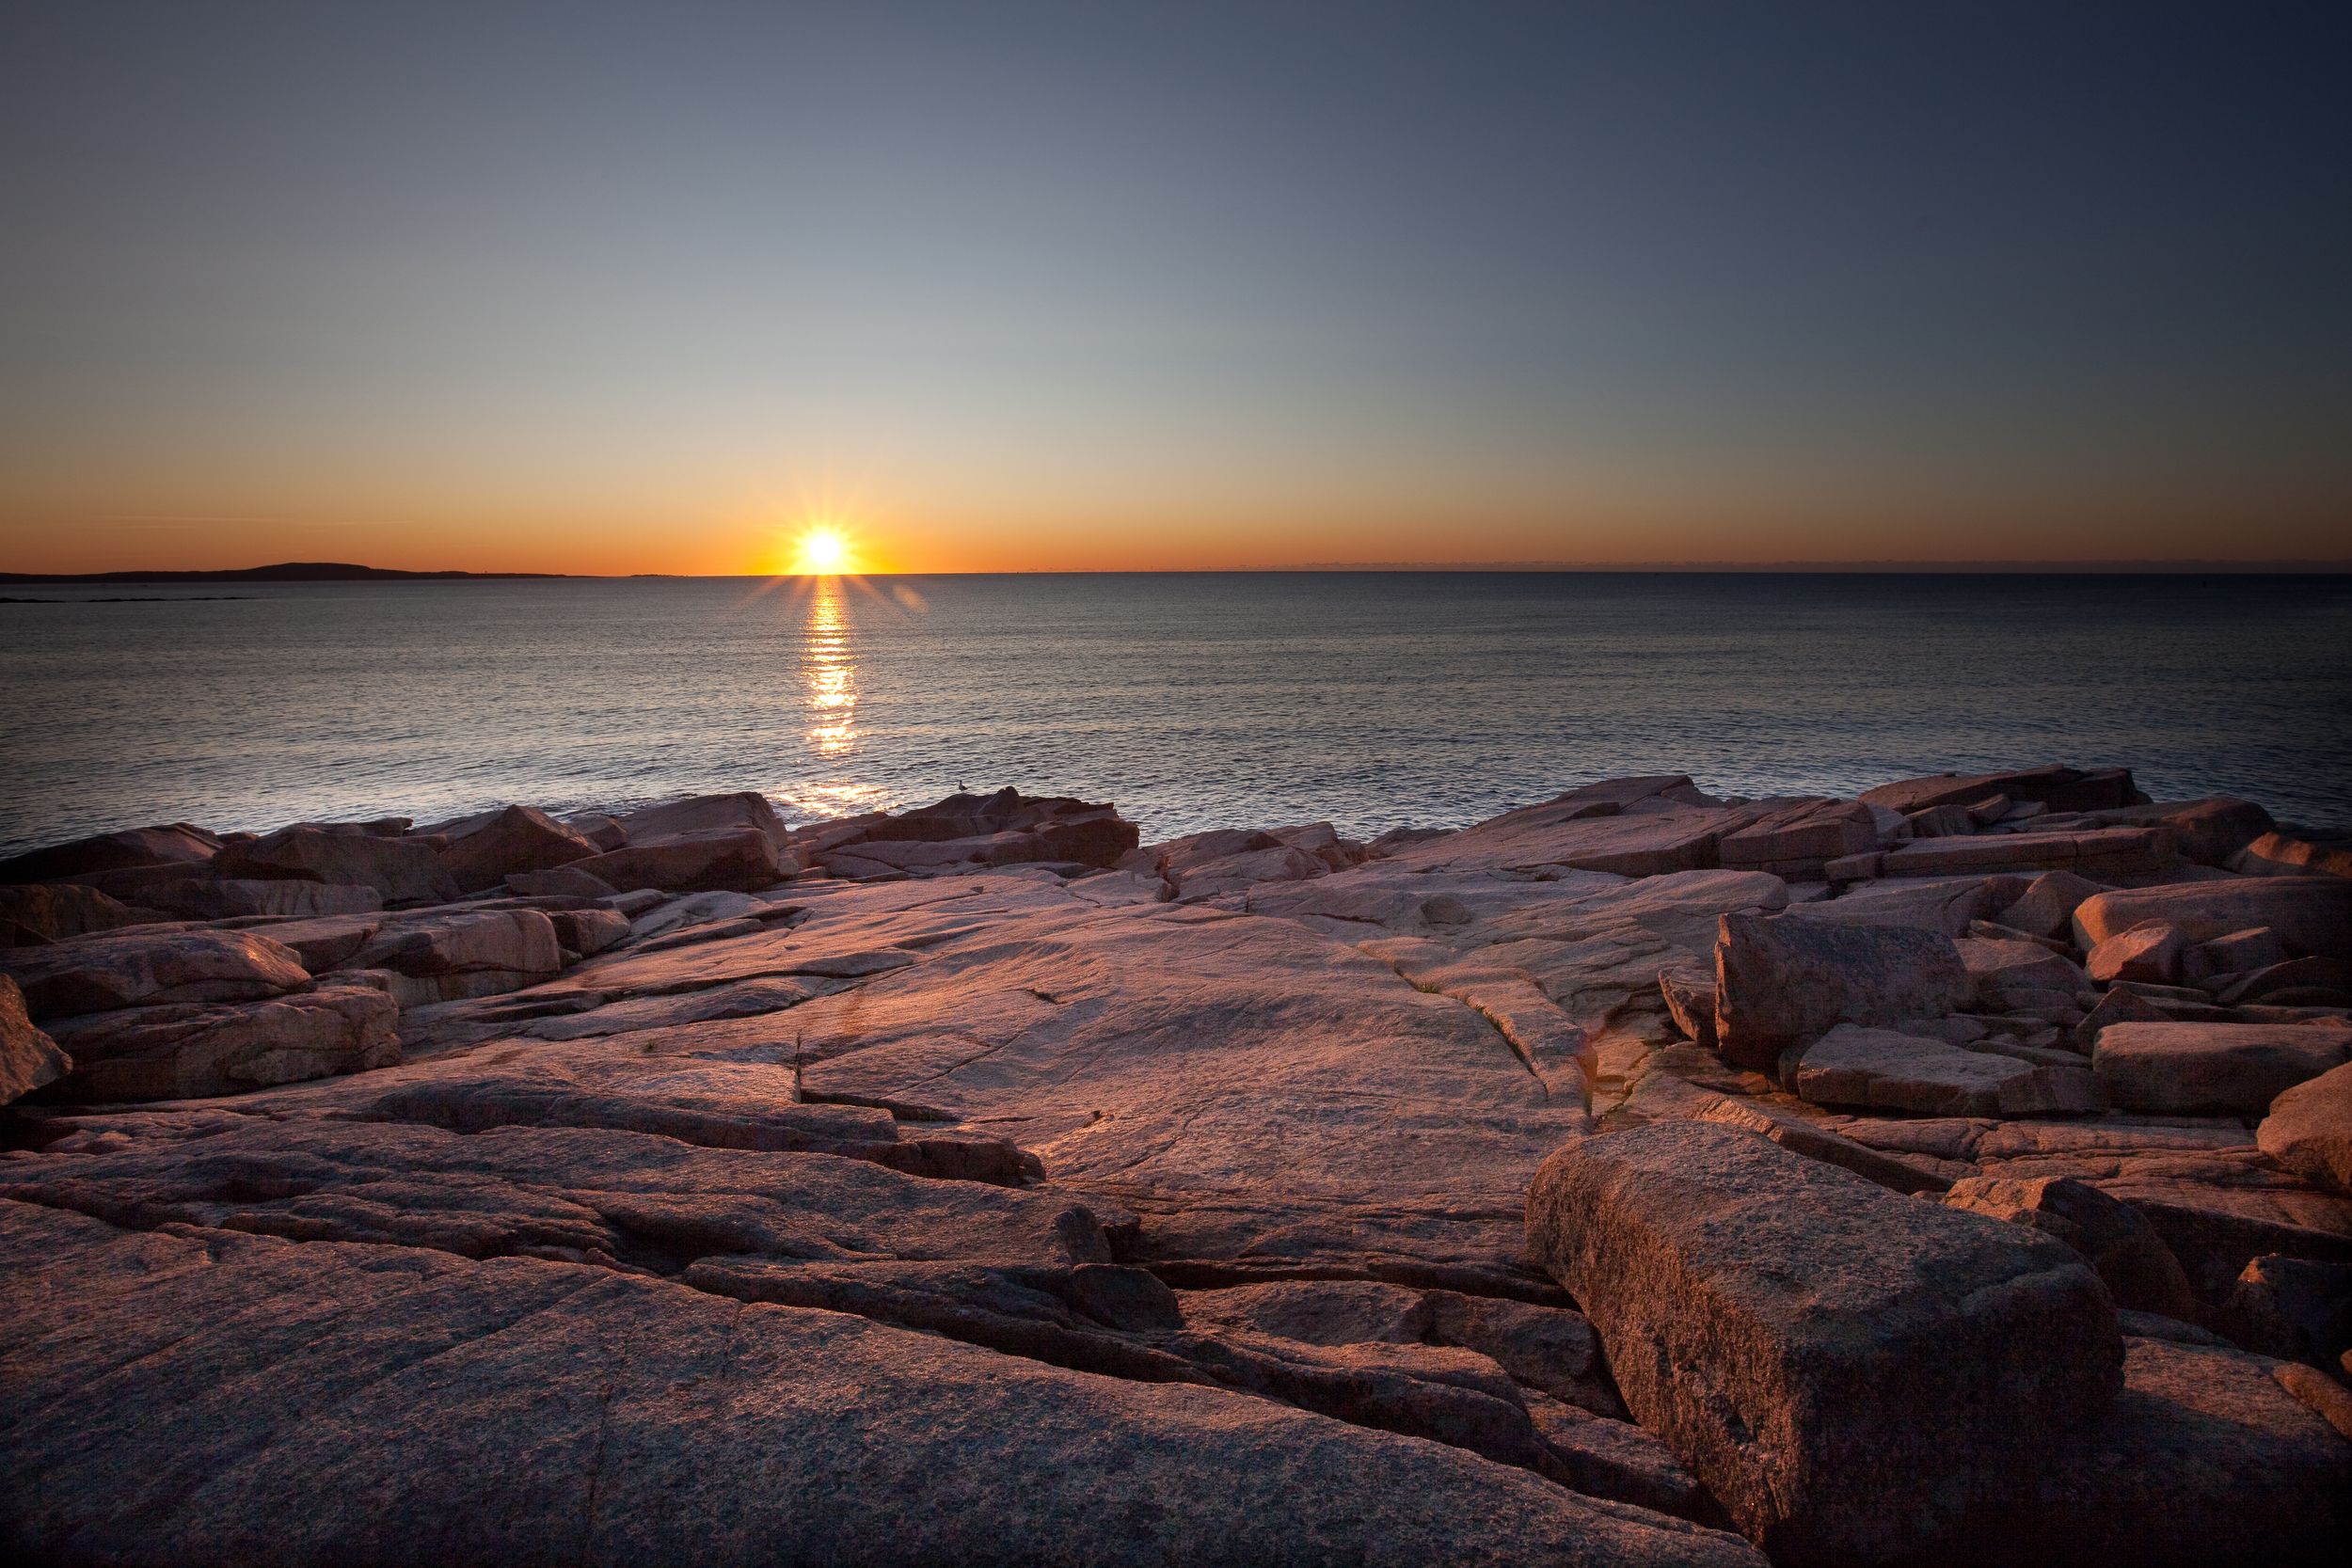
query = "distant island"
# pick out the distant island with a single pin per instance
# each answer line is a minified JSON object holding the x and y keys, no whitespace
{"x":292,"y":571}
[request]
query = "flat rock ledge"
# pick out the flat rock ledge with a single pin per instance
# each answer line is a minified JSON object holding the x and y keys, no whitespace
{"x":1952,"y":1175}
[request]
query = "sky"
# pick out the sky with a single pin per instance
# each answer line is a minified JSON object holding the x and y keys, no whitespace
{"x":660,"y":287}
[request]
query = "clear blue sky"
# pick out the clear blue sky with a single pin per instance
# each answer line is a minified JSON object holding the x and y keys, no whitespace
{"x":651,"y":287}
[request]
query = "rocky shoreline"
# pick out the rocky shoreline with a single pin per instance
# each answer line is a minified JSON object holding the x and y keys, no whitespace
{"x":1960,"y":1173}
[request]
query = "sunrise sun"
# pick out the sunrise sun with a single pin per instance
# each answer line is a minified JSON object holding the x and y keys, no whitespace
{"x":821,"y":552}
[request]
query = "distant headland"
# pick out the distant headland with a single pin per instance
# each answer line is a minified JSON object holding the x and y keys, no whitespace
{"x":291,"y":571}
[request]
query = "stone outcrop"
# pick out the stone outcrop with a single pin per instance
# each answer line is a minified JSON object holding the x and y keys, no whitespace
{"x":152,"y":965}
{"x":516,"y":839}
{"x":2309,"y":1129}
{"x":403,"y":871}
{"x":1781,"y":981}
{"x":2309,"y":915}
{"x":28,"y":1057}
{"x":63,"y":910}
{"x":1746,"y":1293}
{"x":692,"y":861}
{"x":192,"y":1049}
{"x":134,"y":848}
{"x":2210,"y":1068}
{"x":1148,"y":1165}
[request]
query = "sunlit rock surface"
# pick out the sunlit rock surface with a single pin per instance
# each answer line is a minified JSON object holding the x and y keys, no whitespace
{"x":979,"y":1183}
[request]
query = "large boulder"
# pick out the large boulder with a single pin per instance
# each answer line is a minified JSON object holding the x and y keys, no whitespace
{"x":2309,"y":1130}
{"x":402,"y":870}
{"x":2210,"y":1069}
{"x":2141,"y":1273}
{"x":2206,"y":832}
{"x":2279,"y":855}
{"x":1885,"y":1069}
{"x":1932,"y":904}
{"x":1063,"y":829}
{"x":28,"y":1057}
{"x":204,"y":898}
{"x":2310,"y":915}
{"x":2062,"y":789}
{"x":1846,"y":1370}
{"x":250,"y":1399}
{"x":90,"y":975}
{"x":2103,"y":852}
{"x":64,"y":910}
{"x":450,"y":956}
{"x":2046,"y":908}
{"x":703,"y":814}
{"x":1639,"y":827}
{"x":132,"y":847}
{"x":1797,"y":841}
{"x":2008,"y":972}
{"x":193,"y":1049}
{"x":697,"y":860}
{"x":518,"y":839}
{"x":1778,"y":981}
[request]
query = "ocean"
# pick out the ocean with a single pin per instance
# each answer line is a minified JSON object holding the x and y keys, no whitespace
{"x":1374,"y":700}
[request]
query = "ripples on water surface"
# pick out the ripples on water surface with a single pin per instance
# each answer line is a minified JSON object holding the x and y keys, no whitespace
{"x":1194,"y":700}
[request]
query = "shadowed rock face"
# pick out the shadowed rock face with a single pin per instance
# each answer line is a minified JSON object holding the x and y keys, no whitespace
{"x":1779,"y":981}
{"x":1746,"y":1294}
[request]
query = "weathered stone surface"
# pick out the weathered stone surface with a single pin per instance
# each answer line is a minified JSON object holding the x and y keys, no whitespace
{"x":562,"y":880}
{"x":700,"y":814}
{"x":2117,"y":1006}
{"x":1781,"y":1325}
{"x":2002,"y":970}
{"x":1628,"y":827}
{"x":2244,"y":952}
{"x":608,"y":1413}
{"x":2309,"y":1130}
{"x":519,"y":839}
{"x":125,"y":969}
{"x":2103,"y":852}
{"x":1851,"y":1066}
{"x":1819,"y":1144}
{"x":403,"y":871}
{"x":1778,"y":981}
{"x":2317,"y":981}
{"x":195,"y":1050}
{"x":2140,"y":1270}
{"x":2046,"y":909}
{"x":2278,"y":855}
{"x":2059,"y":788}
{"x":691,"y":861}
{"x":2203,"y":1462}
{"x":2308,"y":914}
{"x":1798,"y":841}
{"x":192,"y":898}
{"x":443,"y":958}
{"x":2208,"y":832}
{"x":134,"y":848}
{"x":1692,"y":1007}
{"x":1055,"y":827}
{"x":65,"y":909}
{"x":2151,"y":951}
{"x":588,"y":933}
{"x":1949,"y":906}
{"x":2296,"y":1308}
{"x":28,"y":1057}
{"x":2211,"y":1067}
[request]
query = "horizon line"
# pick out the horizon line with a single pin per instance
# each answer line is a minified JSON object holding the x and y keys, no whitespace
{"x":2150,"y":566}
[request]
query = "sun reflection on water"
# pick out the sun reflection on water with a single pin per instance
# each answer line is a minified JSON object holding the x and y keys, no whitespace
{"x":830,"y":667}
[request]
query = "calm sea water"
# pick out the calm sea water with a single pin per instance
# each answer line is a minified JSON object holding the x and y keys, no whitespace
{"x":1215,"y":699}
